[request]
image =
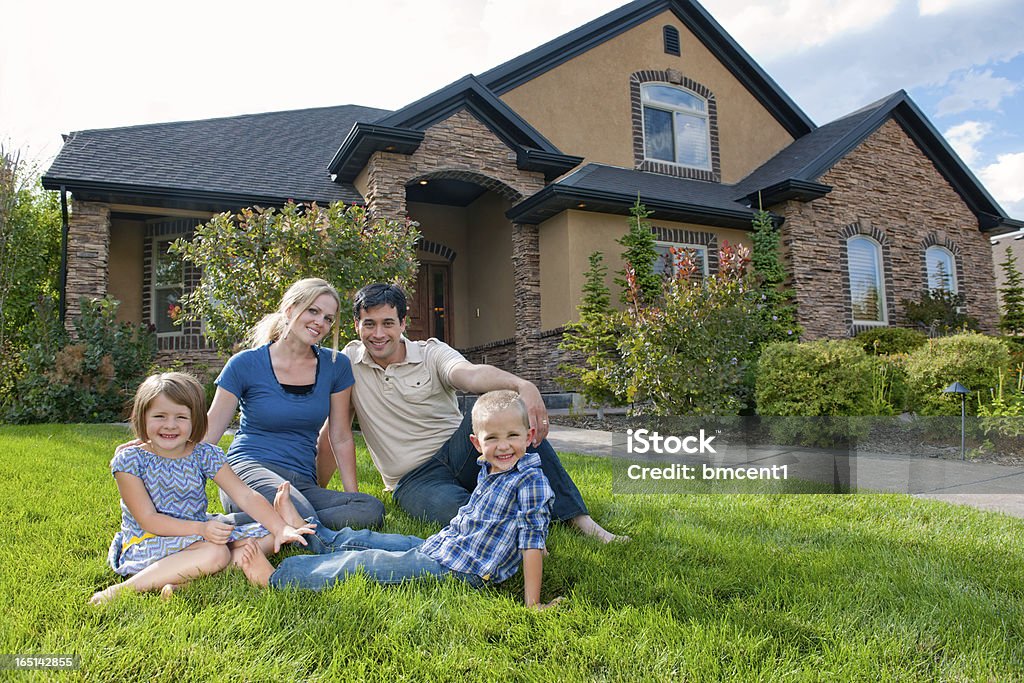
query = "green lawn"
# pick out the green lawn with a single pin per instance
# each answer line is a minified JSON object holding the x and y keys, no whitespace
{"x":812,"y":587}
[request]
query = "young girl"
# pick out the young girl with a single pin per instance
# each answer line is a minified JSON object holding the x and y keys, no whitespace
{"x":167,"y":537}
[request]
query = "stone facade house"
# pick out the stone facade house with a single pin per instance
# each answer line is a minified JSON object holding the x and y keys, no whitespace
{"x":516,"y":175}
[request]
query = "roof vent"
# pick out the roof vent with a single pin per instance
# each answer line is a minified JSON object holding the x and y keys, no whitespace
{"x":671,"y":34}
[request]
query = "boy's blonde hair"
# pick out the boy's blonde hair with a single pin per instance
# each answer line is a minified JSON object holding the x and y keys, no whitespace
{"x":298,"y":298}
{"x":496,"y":402}
{"x":181,"y":388}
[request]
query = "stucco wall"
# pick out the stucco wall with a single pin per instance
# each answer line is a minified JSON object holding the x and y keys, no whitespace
{"x":885,"y":187}
{"x":490,"y":271}
{"x":125,"y":283}
{"x":583,"y":105}
{"x":567,"y":241}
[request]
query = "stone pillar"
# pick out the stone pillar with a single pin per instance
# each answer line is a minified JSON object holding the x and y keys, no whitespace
{"x":88,"y":255}
{"x":526,"y":271}
{"x":385,"y":188}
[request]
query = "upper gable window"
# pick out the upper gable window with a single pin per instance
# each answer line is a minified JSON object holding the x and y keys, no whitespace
{"x":941,"y":269}
{"x":675,"y":126}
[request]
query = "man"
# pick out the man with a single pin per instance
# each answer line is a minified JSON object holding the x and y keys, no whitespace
{"x":405,"y":397}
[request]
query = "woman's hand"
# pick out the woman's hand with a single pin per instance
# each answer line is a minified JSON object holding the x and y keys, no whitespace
{"x":290,"y":534}
{"x":217,"y":532}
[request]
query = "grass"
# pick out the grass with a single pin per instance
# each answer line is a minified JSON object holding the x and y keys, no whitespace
{"x":726,"y":587}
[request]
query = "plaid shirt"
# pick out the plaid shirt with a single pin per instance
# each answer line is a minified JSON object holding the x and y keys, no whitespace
{"x":507,"y":511}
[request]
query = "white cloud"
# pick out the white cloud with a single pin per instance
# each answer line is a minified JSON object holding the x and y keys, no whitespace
{"x":1005,"y":180}
{"x":928,"y":7}
{"x":976,"y":90}
{"x":964,"y":138}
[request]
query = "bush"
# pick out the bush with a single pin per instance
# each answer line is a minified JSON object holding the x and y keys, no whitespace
{"x":973,"y":359}
{"x":89,"y":379}
{"x":248,"y":260}
{"x":938,"y":313}
{"x":884,"y":341}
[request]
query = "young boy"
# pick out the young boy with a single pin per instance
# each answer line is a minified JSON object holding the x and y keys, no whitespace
{"x":506,"y":518}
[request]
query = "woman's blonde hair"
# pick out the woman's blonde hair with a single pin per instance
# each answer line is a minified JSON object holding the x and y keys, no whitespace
{"x":298,"y":298}
{"x":179,"y":387}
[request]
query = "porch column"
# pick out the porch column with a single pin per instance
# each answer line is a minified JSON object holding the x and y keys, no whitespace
{"x":385,"y":191}
{"x":526,"y":272}
{"x":88,"y":255}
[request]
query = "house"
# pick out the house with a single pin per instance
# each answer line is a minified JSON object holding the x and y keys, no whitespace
{"x":1014,"y":243}
{"x":517,"y":174}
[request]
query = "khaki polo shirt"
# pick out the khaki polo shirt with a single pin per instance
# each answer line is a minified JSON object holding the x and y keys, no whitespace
{"x":407,"y":410}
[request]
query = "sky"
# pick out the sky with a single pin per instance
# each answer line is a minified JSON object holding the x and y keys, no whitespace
{"x":72,"y":65}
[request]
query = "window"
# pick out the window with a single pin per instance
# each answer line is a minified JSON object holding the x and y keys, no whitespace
{"x":167,"y":285}
{"x":666,"y":266}
{"x":675,"y":126}
{"x":941,"y":268}
{"x":867,"y":293}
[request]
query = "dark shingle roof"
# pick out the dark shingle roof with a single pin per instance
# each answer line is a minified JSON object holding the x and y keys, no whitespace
{"x":282,"y":155}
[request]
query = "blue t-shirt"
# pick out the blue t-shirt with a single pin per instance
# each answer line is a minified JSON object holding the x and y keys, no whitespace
{"x":276,"y":427}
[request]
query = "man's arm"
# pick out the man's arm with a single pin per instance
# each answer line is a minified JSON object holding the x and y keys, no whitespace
{"x":479,"y":379}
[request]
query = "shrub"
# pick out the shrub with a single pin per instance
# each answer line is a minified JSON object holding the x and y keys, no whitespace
{"x":88,"y":379}
{"x":776,"y":307}
{"x":938,"y":313}
{"x":884,"y":341}
{"x":248,"y":260}
{"x":1012,"y":320}
{"x":973,"y":359}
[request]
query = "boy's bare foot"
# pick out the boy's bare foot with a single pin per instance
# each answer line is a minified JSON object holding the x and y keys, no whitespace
{"x":104,"y":596}
{"x":169,"y":590}
{"x":588,"y":527}
{"x":285,"y":507}
{"x":256,"y":566}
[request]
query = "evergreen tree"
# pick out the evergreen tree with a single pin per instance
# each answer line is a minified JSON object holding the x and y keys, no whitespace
{"x":776,"y":307}
{"x":1012,"y":321}
{"x":640,"y":255}
{"x":595,"y":336}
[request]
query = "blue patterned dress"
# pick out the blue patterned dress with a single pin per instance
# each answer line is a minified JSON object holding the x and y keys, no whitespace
{"x":177,"y":488}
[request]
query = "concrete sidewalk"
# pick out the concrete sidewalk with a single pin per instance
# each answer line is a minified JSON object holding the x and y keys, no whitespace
{"x":985,"y":486}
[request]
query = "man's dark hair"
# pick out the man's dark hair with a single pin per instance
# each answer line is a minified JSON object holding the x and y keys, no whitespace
{"x":380,"y":294}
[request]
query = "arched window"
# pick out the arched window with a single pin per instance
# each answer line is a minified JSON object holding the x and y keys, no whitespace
{"x":867,"y":289}
{"x":675,"y":126}
{"x":941,"y":266}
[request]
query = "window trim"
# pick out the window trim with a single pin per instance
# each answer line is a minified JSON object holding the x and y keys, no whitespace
{"x":879,"y":278}
{"x":646,"y":102}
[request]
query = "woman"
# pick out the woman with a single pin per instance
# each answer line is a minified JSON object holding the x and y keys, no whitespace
{"x":286,"y":386}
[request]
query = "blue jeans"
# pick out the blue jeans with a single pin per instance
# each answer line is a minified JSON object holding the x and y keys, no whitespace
{"x":384,"y":558}
{"x":335,"y":509}
{"x":439,"y":487}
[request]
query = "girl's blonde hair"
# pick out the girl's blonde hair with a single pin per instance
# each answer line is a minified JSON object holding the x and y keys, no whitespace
{"x":181,"y":388}
{"x":298,"y":298}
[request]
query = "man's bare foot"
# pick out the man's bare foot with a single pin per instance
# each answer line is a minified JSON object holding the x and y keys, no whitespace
{"x":169,"y":590}
{"x":104,"y":596}
{"x":588,"y":527}
{"x":285,"y":507}
{"x":256,"y":566}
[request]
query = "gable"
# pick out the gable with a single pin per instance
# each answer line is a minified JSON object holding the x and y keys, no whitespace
{"x":583,"y":105}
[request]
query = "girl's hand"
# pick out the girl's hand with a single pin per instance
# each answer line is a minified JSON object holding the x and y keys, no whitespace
{"x":217,"y":532}
{"x":291,"y":535}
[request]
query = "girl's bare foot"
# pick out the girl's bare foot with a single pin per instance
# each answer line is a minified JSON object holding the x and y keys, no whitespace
{"x":588,"y":527}
{"x":285,"y":507}
{"x":104,"y":596}
{"x":238,"y":548}
{"x":256,"y":566}
{"x":170,"y":589}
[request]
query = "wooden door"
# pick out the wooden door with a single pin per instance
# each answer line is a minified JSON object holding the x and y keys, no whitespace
{"x":430,"y":307}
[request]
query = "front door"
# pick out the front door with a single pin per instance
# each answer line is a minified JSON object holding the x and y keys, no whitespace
{"x":430,"y":308}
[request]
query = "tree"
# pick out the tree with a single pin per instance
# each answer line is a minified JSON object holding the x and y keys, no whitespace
{"x":595,"y":336}
{"x":29,"y":248}
{"x":639,"y":257}
{"x":249,"y":259}
{"x":1012,"y":321}
{"x":776,"y":308}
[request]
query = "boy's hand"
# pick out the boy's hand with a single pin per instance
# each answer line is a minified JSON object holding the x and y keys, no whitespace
{"x":547,"y":605}
{"x":291,"y":535}
{"x":217,"y":532}
{"x":134,"y":442}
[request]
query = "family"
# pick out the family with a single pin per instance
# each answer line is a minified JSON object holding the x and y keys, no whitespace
{"x":490,"y":477}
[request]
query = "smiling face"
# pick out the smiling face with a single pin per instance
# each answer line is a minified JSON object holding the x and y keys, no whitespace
{"x":502,"y":438}
{"x":315,"y":321}
{"x":380,"y":331}
{"x":168,"y":427}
